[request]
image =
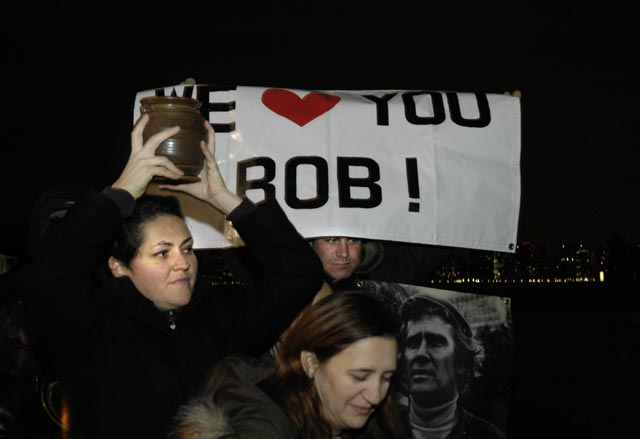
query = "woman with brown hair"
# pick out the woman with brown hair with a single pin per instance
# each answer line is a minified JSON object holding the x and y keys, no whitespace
{"x":332,"y":378}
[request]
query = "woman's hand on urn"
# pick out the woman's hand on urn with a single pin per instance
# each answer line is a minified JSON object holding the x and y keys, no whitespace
{"x":211,"y":188}
{"x":143,"y":164}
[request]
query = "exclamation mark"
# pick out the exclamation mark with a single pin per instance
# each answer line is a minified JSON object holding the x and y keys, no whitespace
{"x":412,"y":183}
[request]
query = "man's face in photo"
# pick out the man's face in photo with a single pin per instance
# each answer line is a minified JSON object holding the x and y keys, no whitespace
{"x":429,"y":355}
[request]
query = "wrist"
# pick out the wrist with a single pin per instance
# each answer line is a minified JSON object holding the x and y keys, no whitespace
{"x":226,"y":202}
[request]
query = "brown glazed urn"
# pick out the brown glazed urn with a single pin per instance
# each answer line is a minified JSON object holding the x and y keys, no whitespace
{"x":183,"y":149}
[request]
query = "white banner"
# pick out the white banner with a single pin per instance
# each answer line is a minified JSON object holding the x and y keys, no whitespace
{"x":414,"y":166}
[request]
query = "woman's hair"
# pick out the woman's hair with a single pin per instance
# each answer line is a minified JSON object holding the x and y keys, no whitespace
{"x":130,"y":235}
{"x":326,"y":328}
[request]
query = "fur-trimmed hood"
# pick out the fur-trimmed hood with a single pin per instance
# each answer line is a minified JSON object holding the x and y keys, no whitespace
{"x":202,"y":419}
{"x":233,"y":406}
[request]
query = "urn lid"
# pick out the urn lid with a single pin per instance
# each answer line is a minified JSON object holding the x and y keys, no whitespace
{"x":155,"y":103}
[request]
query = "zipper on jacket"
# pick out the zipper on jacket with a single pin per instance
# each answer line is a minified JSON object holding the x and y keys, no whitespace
{"x":172,"y":323}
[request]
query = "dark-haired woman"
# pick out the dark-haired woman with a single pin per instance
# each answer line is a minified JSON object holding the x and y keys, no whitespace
{"x":114,"y":294}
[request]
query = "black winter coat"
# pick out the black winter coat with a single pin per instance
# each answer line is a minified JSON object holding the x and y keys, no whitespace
{"x":125,"y":369}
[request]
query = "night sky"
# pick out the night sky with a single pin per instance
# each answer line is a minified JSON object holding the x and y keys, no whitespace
{"x":71,"y":72}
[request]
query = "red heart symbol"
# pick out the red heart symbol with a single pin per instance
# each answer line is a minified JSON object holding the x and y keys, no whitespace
{"x":301,"y":111}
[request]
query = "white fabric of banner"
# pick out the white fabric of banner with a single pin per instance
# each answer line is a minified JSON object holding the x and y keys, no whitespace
{"x":413,"y":166}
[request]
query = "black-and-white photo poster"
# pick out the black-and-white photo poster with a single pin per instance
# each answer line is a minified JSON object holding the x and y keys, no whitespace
{"x":455,"y":359}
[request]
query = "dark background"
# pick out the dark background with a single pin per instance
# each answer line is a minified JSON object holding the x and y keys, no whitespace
{"x":71,"y":71}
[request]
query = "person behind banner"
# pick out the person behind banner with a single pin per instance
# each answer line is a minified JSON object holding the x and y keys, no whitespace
{"x":114,"y":296}
{"x":439,"y":356}
{"x":332,"y":378}
{"x":346,"y":260}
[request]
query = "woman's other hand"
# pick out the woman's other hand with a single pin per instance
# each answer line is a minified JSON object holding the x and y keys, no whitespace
{"x":211,"y":187}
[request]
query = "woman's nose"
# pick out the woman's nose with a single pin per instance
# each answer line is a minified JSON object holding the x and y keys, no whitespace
{"x":181,"y":262}
{"x":375,"y":393}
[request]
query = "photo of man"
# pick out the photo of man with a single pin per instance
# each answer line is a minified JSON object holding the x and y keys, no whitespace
{"x":453,"y":351}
